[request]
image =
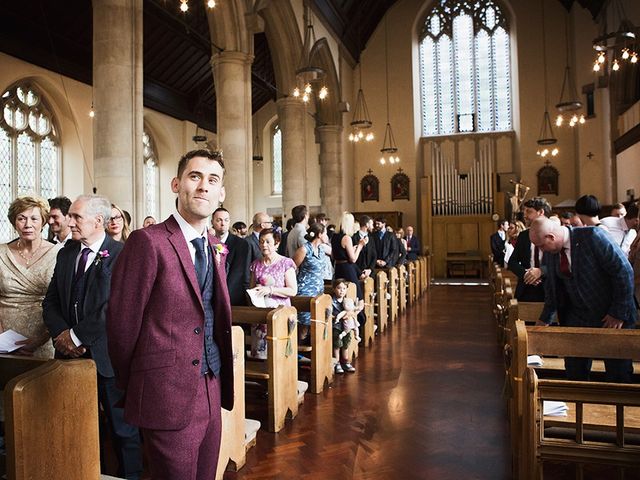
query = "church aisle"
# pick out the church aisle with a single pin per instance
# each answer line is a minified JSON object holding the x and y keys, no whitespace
{"x":425,"y":402}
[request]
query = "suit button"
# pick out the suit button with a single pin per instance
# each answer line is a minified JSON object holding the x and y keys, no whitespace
{"x":195,"y":363}
{"x":197,"y":330}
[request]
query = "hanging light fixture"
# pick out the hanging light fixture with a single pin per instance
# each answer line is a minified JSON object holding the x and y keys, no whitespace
{"x":308,"y":75}
{"x":617,"y":44}
{"x":389,"y":147}
{"x":546,"y":137}
{"x":184,"y":6}
{"x":361,"y":122}
{"x":92,"y":112}
{"x":568,"y":97}
{"x":257,"y":150}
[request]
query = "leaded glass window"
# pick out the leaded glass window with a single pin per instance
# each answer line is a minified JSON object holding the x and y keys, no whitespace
{"x":465,"y":68}
{"x":151,"y":174}
{"x":276,"y":161}
{"x":29,"y":150}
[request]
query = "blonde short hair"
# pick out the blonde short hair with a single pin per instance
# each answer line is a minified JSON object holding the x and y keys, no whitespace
{"x":27,"y":202}
{"x":347,"y":224}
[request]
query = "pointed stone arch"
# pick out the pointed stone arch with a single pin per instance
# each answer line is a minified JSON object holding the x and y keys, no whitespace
{"x":228,"y":26}
{"x":327,"y":109}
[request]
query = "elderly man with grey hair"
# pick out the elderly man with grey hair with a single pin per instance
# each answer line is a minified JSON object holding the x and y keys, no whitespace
{"x":589,"y":283}
{"x":74,"y":311}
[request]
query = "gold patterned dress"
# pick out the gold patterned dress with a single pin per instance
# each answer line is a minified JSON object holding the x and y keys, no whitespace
{"x":22,"y":290}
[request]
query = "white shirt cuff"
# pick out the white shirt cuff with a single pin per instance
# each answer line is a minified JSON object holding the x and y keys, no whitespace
{"x":75,"y":339}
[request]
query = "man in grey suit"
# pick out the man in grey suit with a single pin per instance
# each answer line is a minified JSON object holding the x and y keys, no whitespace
{"x":589,"y":283}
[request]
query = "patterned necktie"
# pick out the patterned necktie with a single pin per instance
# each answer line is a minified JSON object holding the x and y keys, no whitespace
{"x":201,"y":261}
{"x":564,"y":263}
{"x":82,"y":263}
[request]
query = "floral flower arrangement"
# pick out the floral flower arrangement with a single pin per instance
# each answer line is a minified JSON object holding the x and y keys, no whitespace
{"x":100,"y":255}
{"x":221,"y":248}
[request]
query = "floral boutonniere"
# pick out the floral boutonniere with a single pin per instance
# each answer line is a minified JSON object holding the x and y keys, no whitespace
{"x":220,"y":249}
{"x":101,"y":254}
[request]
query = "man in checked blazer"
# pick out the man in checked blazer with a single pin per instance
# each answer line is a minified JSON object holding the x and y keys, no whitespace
{"x":589,"y":283}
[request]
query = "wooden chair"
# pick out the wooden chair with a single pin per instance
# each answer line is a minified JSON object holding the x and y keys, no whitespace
{"x":280,"y":370}
{"x":382,"y":283}
{"x":321,"y":348}
{"x":392,"y":274}
{"x":354,"y":347}
{"x":51,"y":418}
{"x":368,"y":332}
{"x":601,"y":409}
{"x":232,"y":445}
{"x":402,"y":287}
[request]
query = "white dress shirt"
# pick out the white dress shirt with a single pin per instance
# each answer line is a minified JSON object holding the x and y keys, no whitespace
{"x":189,"y":234}
{"x":621,"y":234}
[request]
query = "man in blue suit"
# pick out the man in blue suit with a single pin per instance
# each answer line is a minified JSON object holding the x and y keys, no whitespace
{"x":589,"y":283}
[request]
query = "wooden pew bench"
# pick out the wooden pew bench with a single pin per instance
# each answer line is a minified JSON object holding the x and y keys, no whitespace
{"x":280,"y":369}
{"x":402,"y":288}
{"x":321,"y":349}
{"x":592,"y":402}
{"x":369,"y":292}
{"x":51,"y":409}
{"x":412,"y":281}
{"x":382,"y":302}
{"x":233,"y":446}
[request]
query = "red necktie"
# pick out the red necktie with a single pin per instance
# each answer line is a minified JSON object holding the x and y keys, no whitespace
{"x":564,"y":263}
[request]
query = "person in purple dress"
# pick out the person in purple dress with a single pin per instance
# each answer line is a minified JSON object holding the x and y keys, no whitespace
{"x":272,"y":276}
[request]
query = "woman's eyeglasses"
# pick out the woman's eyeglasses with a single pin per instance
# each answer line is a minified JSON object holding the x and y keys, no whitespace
{"x":116,"y":218}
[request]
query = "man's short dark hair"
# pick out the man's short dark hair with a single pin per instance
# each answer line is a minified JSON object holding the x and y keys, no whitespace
{"x":220,"y":209}
{"x":211,"y":155}
{"x":567,"y":215}
{"x":299,"y":212}
{"x":381,"y":220}
{"x":238,"y":226}
{"x":632,"y":211}
{"x":539,"y":203}
{"x":364,"y":219}
{"x":61,"y":203}
{"x":588,"y":205}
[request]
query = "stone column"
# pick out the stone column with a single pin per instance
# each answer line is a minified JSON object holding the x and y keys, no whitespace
{"x":117,"y":99}
{"x":330,"y":137}
{"x":232,"y":78}
{"x":291,"y":118}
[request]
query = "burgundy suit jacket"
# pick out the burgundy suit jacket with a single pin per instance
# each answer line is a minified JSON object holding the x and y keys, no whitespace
{"x":155,"y":331}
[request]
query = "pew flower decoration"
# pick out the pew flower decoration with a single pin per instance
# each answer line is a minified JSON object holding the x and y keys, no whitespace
{"x":220,"y":249}
{"x":101,"y":254}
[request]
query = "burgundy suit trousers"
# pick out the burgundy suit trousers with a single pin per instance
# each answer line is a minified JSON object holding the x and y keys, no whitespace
{"x":190,"y":453}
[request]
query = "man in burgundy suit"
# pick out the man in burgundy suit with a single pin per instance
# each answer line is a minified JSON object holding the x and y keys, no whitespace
{"x":169,"y":331}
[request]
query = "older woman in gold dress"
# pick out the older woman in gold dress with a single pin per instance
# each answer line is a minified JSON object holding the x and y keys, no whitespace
{"x":26,"y":268}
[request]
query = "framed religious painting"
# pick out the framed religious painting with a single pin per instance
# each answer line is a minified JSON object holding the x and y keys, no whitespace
{"x":400,"y":186}
{"x":369,"y":188}
{"x":548,"y":180}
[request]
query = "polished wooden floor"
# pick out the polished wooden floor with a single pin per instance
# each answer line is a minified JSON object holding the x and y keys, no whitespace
{"x":425,"y":403}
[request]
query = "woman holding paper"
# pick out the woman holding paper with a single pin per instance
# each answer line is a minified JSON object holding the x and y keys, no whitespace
{"x":26,"y":268}
{"x":273,"y":277}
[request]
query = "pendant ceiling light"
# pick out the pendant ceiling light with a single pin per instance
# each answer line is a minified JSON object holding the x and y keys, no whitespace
{"x":361,"y":121}
{"x":389,"y":148}
{"x":546,"y":137}
{"x":568,"y":102}
{"x":309,"y":76}
{"x":620,"y":44}
{"x":257,"y":150}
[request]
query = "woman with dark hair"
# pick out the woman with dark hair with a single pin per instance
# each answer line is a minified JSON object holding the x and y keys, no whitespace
{"x":310,"y":262}
{"x":272,"y":276}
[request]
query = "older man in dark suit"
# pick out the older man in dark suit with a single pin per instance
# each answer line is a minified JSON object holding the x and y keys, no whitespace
{"x":237,"y":256}
{"x":589,"y":283}
{"x":170,"y":328}
{"x":413,"y":245}
{"x":74,"y":311}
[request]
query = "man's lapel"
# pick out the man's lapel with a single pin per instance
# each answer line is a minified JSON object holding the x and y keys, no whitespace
{"x":176,"y":238}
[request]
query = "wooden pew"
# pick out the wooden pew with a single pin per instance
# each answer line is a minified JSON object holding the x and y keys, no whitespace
{"x":381,"y":300}
{"x":354,"y":348}
{"x":280,"y":370}
{"x":51,"y":418}
{"x":392,"y":274}
{"x":402,"y":287}
{"x":533,"y":446}
{"x":411,"y":280}
{"x":232,"y":445}
{"x":321,"y":348}
{"x":369,"y":292}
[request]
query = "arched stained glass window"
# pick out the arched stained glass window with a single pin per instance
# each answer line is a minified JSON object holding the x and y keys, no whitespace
{"x":29,"y":150}
{"x":151,"y":174}
{"x":465,"y":68}
{"x":276,"y":161}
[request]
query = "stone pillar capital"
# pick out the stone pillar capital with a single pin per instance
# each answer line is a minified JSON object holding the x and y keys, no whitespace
{"x":284,"y":104}
{"x":225,"y":56}
{"x":328,"y":132}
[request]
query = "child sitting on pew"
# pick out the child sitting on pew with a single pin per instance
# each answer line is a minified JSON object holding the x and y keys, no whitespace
{"x":341,"y":342}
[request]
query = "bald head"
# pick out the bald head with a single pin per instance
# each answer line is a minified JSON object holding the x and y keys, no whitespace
{"x":261,"y":220}
{"x":547,"y":235}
